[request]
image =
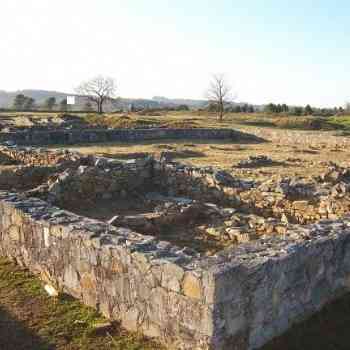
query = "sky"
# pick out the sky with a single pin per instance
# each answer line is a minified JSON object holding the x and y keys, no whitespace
{"x":295,"y":52}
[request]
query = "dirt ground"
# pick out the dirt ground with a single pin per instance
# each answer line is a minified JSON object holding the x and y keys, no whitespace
{"x":293,"y":152}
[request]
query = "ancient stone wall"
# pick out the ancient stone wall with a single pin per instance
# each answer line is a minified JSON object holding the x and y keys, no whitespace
{"x":51,"y":137}
{"x":105,"y":179}
{"x":79,"y":179}
{"x":24,"y":177}
{"x":148,"y":285}
{"x":262,"y":289}
{"x":239,"y":299}
{"x":206,"y":184}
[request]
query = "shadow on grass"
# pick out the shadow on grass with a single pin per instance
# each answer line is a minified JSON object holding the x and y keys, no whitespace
{"x":133,"y":155}
{"x":342,"y":133}
{"x":15,"y":336}
{"x":258,"y":123}
{"x":183,"y":154}
{"x":267,"y":165}
{"x":228,"y":149}
{"x":307,"y":151}
{"x":327,"y":330}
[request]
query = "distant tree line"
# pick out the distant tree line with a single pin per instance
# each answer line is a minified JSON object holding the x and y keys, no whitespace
{"x":22,"y":102}
{"x":302,"y":111}
{"x":245,"y":108}
{"x":26,"y":103}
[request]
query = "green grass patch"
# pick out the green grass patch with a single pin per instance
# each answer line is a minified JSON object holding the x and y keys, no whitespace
{"x":293,"y":122}
{"x":60,"y":323}
{"x":113,"y":121}
{"x":341,"y":122}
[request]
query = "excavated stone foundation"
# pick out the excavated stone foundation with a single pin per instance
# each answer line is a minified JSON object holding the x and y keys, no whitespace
{"x":196,"y":257}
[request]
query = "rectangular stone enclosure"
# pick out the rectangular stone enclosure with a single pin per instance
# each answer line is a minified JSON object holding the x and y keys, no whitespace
{"x":213,"y":289}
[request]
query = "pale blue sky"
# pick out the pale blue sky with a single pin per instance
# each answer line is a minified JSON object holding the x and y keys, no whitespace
{"x":272,"y":51}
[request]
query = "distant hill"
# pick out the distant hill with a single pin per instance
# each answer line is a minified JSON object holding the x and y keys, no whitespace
{"x":7,"y":98}
{"x":180,"y":101}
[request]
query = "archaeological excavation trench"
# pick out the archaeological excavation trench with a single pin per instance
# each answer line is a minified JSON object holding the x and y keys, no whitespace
{"x":196,"y":257}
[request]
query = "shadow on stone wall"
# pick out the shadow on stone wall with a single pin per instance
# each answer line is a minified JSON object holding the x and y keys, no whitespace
{"x":326,"y":330}
{"x":71,"y":137}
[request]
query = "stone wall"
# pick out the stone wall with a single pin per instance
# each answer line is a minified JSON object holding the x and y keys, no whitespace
{"x":239,"y":299}
{"x":52,"y":137}
{"x":291,"y":200}
{"x":149,"y":286}
{"x":207,"y":184}
{"x":78,"y":179}
{"x":262,"y":289}
{"x":24,"y":177}
{"x":105,"y":179}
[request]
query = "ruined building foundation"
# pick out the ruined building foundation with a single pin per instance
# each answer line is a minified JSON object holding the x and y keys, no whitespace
{"x":237,"y":297}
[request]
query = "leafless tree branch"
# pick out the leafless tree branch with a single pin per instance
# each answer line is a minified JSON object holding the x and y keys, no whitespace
{"x":98,"y":90}
{"x":219,"y":93}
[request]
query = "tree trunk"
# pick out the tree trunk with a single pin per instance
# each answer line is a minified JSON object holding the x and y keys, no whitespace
{"x":100,"y":111}
{"x":221,"y":112}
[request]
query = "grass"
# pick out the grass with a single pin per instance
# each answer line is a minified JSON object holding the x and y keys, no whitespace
{"x":231,"y":120}
{"x":295,"y":122}
{"x":310,"y":147}
{"x":30,"y":320}
{"x":112,"y":121}
{"x":342,"y":122}
{"x":191,"y":119}
{"x":225,"y":154}
{"x":41,"y":323}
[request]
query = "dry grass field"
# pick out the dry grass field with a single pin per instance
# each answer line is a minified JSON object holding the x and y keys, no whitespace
{"x":298,"y":146}
{"x":294,"y":152}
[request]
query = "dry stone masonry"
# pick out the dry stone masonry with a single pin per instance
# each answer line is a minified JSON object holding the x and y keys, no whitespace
{"x":75,"y":136}
{"x":196,"y":257}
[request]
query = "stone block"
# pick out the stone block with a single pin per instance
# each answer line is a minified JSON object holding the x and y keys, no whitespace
{"x":191,"y":286}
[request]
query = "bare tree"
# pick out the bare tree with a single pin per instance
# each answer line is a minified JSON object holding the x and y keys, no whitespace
{"x":98,"y":90}
{"x":219,"y":94}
